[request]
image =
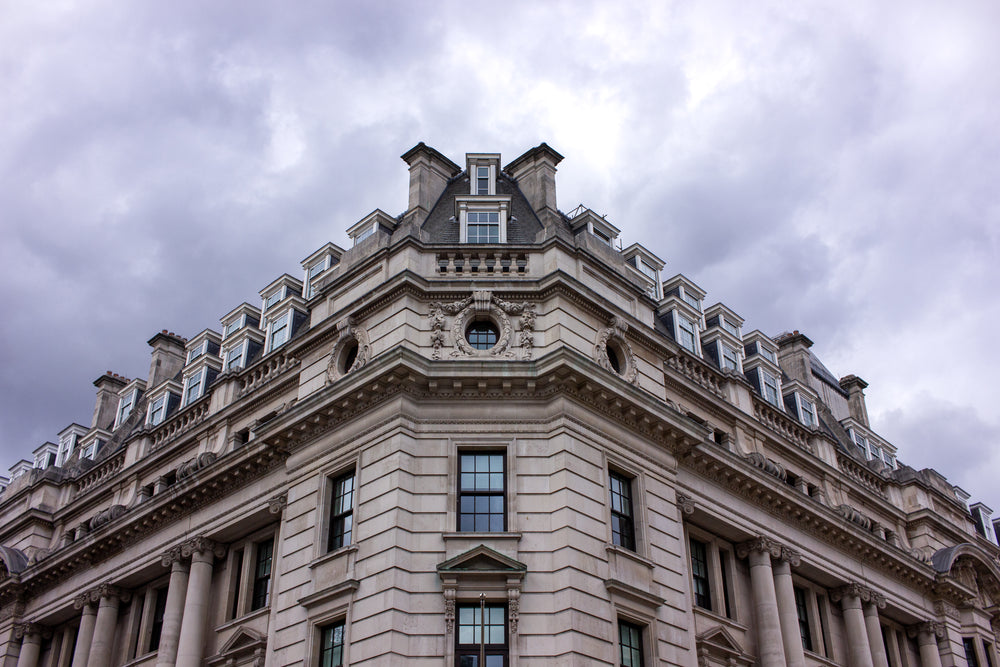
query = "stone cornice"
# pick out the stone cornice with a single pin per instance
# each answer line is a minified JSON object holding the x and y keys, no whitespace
{"x":175,"y":502}
{"x":805,"y":513}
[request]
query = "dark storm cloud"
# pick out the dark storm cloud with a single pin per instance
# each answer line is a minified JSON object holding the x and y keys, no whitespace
{"x":814,"y":167}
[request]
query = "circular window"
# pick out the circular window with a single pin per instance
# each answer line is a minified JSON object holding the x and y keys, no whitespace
{"x":482,"y":335}
{"x":348,"y":357}
{"x":613,"y":359}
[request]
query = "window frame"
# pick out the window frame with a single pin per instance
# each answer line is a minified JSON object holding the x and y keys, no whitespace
{"x":721,"y":577}
{"x":774,"y":386}
{"x":230,"y":364}
{"x":734,"y":360}
{"x":336,"y":540}
{"x":241,"y":566}
{"x":129,"y":399}
{"x":502,"y":649}
{"x":627,"y":482}
{"x":641,"y":631}
{"x":322,"y":629}
{"x":194,"y":386}
{"x":693,"y":332}
{"x":460,"y":494}
{"x":165,"y":398}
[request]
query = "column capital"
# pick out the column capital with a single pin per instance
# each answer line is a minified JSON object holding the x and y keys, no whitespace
{"x":276,"y":504}
{"x":99,"y":592}
{"x":201,"y":545}
{"x":83,"y":601}
{"x":172,"y":556}
{"x":759,"y":544}
{"x":793,"y":557}
{"x":855,"y":589}
{"x":29,"y":629}
{"x":933,"y":628}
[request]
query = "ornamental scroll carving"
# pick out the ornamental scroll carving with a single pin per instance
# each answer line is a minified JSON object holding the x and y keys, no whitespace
{"x":858,"y":590}
{"x":614,"y":335}
{"x":761,"y":544}
{"x":483,"y":305}
{"x":348,"y":335}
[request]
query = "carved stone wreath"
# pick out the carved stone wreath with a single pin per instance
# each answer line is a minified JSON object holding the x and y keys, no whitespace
{"x":348,"y":333}
{"x":615,"y":333}
{"x":483,"y":305}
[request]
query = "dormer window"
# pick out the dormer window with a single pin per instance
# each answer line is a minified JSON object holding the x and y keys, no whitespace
{"x":690,"y":299}
{"x":482,"y":170}
{"x":45,"y":456}
{"x":686,"y":333}
{"x":69,"y":439}
{"x":807,"y":412}
{"x":241,"y":317}
{"x":205,"y":346}
{"x":234,"y":357}
{"x":282,"y":288}
{"x":234,"y":326}
{"x":127,"y":400}
{"x":483,"y":227}
{"x":281,"y":327}
{"x":730,"y":358}
{"x":769,"y":387}
{"x":800,"y":402}
{"x":196,"y":383}
{"x":273,"y":298}
{"x":163,"y":402}
{"x":327,"y":257}
{"x":157,"y":410}
{"x":730,"y":326}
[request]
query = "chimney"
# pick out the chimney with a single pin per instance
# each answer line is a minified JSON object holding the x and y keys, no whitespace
{"x":535,"y":173}
{"x":855,"y":388}
{"x":794,"y":357}
{"x":168,"y":357}
{"x":429,"y":174}
{"x":108,"y":386}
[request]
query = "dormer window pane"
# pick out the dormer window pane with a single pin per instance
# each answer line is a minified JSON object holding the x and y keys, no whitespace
{"x":483,"y":227}
{"x":280,"y":330}
{"x":482,"y":180}
{"x":194,"y":387}
{"x":769,"y":385}
{"x":157,"y":410}
{"x":691,"y":300}
{"x":364,"y":234}
{"x":808,"y":413}
{"x":274,"y":298}
{"x":125,"y":405}
{"x":197,"y":351}
{"x":601,"y":235}
{"x":234,"y":357}
{"x":730,"y":361}
{"x":730,"y":327}
{"x":685,"y":333}
{"x":767,"y":354}
{"x":233,"y":326}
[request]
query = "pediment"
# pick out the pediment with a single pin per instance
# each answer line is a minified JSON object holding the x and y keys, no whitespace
{"x":482,"y":559}
{"x":722,"y":647}
{"x":244,"y":639}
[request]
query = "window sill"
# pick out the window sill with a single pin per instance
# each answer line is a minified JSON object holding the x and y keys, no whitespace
{"x":333,"y":555}
{"x":505,"y":536}
{"x":263,"y":611}
{"x":628,"y":553}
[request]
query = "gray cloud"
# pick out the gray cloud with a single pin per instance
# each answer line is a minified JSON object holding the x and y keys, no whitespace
{"x":818,"y":167}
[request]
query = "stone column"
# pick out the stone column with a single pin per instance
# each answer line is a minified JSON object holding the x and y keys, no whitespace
{"x":197,"y":600}
{"x":927,"y":635}
{"x":791,"y":636}
{"x":103,"y":644}
{"x":85,"y":635}
{"x":769,"y":644}
{"x":859,"y":652}
{"x":871,"y":607}
{"x":166,"y":654}
{"x":30,"y":635}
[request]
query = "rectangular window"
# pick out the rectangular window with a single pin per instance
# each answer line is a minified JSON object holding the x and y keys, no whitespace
{"x":605,"y":238}
{"x":331,"y":645}
{"x":156,"y":626}
{"x":730,"y":360}
{"x":194,"y":386}
{"x":685,"y":333}
{"x":630,"y":644}
{"x":767,"y":354}
{"x":622,"y":522}
{"x":482,"y":180}
{"x":730,"y":327}
{"x":341,"y":512}
{"x":808,"y":412}
{"x":769,"y":387}
{"x":280,"y":330}
{"x":802,"y":612}
{"x":262,"y":574}
{"x":364,"y":234}
{"x":970,"y":651}
{"x":481,"y":489}
{"x":691,"y":299}
{"x":233,"y":326}
{"x":700,"y":577}
{"x":274,"y":298}
{"x":157,"y":410}
{"x":197,"y":351}
{"x":483,"y":227}
{"x":481,"y":628}
{"x":125,"y":405}
{"x":861,"y":441}
{"x":988,"y":653}
{"x":234,"y":611}
{"x":234,"y":357}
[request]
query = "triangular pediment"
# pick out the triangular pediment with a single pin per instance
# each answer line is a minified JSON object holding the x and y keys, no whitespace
{"x":242,"y":640}
{"x":481,"y":559}
{"x":719,"y":644}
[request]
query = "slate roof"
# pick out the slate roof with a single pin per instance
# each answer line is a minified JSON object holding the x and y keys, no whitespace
{"x":442,"y":227}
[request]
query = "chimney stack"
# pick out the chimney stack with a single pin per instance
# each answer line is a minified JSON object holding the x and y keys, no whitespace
{"x":535,"y":173}
{"x":108,"y":386}
{"x":429,"y":174}
{"x":855,"y":388}
{"x":168,"y":357}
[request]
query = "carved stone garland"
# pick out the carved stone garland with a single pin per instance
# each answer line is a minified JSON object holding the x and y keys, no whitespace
{"x":348,"y":333}
{"x":615,"y":332}
{"x":482,"y":305}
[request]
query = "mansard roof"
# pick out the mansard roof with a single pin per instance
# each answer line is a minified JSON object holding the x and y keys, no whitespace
{"x":442,"y":227}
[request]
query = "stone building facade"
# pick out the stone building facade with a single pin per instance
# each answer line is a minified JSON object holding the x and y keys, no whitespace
{"x":487,"y":430}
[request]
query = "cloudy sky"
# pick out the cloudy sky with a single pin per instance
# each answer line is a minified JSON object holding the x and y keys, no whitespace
{"x":827,"y":167}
